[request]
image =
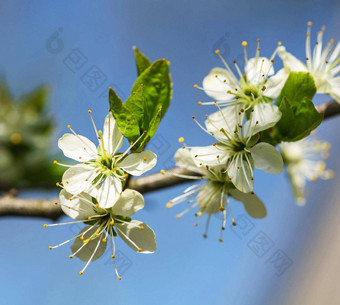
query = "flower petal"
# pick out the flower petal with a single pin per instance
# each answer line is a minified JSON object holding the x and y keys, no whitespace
{"x":129,"y":202}
{"x":217,"y":83}
{"x":184,"y":159}
{"x":290,"y":62}
{"x":138,"y":163}
{"x":78,"y":178}
{"x":267,"y":158}
{"x":252,"y":204}
{"x":78,"y":148}
{"x":79,"y":207}
{"x":87,"y":251}
{"x":137,"y":239}
{"x":275,"y":84}
{"x":212,"y":155}
{"x":264,"y":116}
{"x":258,"y":69}
{"x":108,"y":192}
{"x":209,"y":198}
{"x":227,"y":118}
{"x":241,"y":173}
{"x":112,"y":136}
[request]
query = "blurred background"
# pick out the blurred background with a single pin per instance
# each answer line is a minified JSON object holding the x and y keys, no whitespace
{"x":72,"y":51}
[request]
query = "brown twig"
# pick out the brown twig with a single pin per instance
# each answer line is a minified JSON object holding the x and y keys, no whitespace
{"x":14,"y":206}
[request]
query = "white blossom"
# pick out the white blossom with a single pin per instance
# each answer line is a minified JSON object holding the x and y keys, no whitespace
{"x":323,"y":65}
{"x":101,"y":169}
{"x":304,"y":161}
{"x":103,"y":225}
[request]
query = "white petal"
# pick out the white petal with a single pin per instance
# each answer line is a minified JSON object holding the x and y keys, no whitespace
{"x":210,"y":155}
{"x":217,"y":83}
{"x":108,"y":192}
{"x":275,"y":84}
{"x":184,"y":159}
{"x":241,"y":173}
{"x":209,"y":198}
{"x":78,"y":148}
{"x":129,"y":202}
{"x":290,"y":62}
{"x":264,"y":116}
{"x":87,"y":251}
{"x":138,"y":163}
{"x":227,"y":119}
{"x":136,"y":238}
{"x":77,"y":207}
{"x":112,"y":136}
{"x":267,"y":158}
{"x":256,"y":68}
{"x":78,"y":178}
{"x":252,"y":204}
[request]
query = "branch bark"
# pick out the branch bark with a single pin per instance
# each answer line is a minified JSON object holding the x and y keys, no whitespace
{"x":10,"y":205}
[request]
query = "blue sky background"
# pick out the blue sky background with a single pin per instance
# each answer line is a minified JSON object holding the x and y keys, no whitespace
{"x":38,"y":41}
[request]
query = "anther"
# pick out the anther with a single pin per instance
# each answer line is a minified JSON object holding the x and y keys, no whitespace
{"x":195,"y":86}
{"x":193,"y":117}
{"x":220,"y":239}
{"x":71,"y":256}
{"x":309,"y":23}
{"x":69,"y":126}
{"x":81,"y":272}
{"x":141,"y":227}
{"x":221,"y":208}
{"x":145,"y":158}
{"x":104,"y":240}
{"x":181,"y":140}
{"x":168,"y":205}
{"x":89,"y":111}
{"x":279,"y":43}
{"x":119,"y":278}
{"x":139,"y":249}
{"x":200,"y":103}
{"x":217,"y":51}
{"x":45,"y":225}
{"x":205,"y":235}
{"x":233,"y":223}
{"x":244,"y":43}
{"x":50,"y":247}
{"x":55,"y":162}
{"x":112,"y":256}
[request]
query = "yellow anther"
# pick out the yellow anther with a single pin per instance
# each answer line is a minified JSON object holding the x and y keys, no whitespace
{"x":222,"y":208}
{"x":50,"y":247}
{"x":168,"y":205}
{"x":119,"y":277}
{"x":71,"y":256}
{"x":162,"y":171}
{"x":200,"y":103}
{"x":15,"y":138}
{"x":139,"y":249}
{"x":81,"y":272}
{"x":279,"y":43}
{"x":90,"y":111}
{"x":126,"y":175}
{"x":181,"y":140}
{"x":104,"y":240}
{"x":195,"y":86}
{"x":112,"y":222}
{"x":89,"y":218}
{"x":220,"y":239}
{"x":233,"y":223}
{"x":97,"y":205}
{"x":244,"y":43}
{"x":309,"y":23}
{"x":323,"y":27}
{"x":81,"y":237}
{"x":68,"y":126}
{"x":217,"y":51}
{"x":145,"y":158}
{"x":112,"y":256}
{"x":141,"y":227}
{"x":199,"y":213}
{"x":45,"y":225}
{"x":177,"y":216}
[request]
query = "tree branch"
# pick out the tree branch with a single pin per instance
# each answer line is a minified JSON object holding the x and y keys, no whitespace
{"x":14,"y":206}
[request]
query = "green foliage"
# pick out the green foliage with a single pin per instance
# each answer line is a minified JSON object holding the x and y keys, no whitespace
{"x":25,"y":140}
{"x":149,"y":100}
{"x":299,"y":115}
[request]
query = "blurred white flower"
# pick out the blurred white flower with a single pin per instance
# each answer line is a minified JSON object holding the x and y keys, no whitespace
{"x":304,"y":161}
{"x":237,"y":148}
{"x":101,"y":171}
{"x":324,"y":65}
{"x":211,"y":196}
{"x":104,"y":224}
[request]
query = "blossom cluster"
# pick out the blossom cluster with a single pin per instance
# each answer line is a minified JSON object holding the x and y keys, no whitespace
{"x":93,"y":192}
{"x":252,"y":117}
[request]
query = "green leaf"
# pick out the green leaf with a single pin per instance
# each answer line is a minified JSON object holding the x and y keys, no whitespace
{"x":299,"y":115}
{"x":297,"y":86}
{"x":127,"y":122}
{"x":136,"y":104}
{"x":142,"y":62}
{"x":298,"y":119}
{"x":157,"y":87}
